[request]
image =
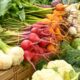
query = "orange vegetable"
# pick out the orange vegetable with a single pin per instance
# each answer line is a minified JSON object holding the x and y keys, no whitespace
{"x":56,"y":13}
{"x":60,"y":7}
{"x":50,"y":16}
{"x":51,"y":30}
{"x":57,"y":31}
{"x":59,"y":37}
{"x":54,"y":20}
{"x":58,"y":34}
{"x":51,"y":48}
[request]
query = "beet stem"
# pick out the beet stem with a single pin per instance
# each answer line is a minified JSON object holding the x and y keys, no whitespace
{"x":31,"y":64}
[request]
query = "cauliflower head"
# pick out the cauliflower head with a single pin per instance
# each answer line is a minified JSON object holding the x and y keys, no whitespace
{"x":63,"y":68}
{"x":46,"y":74}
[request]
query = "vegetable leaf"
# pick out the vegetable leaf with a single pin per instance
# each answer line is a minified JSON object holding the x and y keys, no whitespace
{"x":22,"y":15}
{"x":70,"y":55}
{"x":4,"y":6}
{"x":41,"y":64}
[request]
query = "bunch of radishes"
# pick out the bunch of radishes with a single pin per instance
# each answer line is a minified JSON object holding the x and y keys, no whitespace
{"x":36,"y":40}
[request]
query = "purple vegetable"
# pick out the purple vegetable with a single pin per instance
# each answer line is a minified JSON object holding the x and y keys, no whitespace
{"x":55,"y":2}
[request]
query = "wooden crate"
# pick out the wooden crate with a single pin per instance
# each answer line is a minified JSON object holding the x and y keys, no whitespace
{"x":17,"y":73}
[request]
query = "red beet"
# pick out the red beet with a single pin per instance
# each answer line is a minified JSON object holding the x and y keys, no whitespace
{"x":43,"y":34}
{"x":45,"y":50}
{"x":26,"y":44}
{"x":43,"y":43}
{"x":38,"y":49}
{"x":34,"y":30}
{"x":36,"y":58}
{"x":28,"y":57}
{"x":34,"y":37}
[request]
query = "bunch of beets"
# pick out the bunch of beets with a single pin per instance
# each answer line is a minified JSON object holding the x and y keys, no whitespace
{"x":36,"y":40}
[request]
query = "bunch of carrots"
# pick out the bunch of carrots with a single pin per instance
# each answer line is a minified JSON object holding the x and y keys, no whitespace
{"x":43,"y":38}
{"x":58,"y":25}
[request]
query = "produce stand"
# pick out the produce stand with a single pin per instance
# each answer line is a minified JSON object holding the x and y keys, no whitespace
{"x":17,"y":73}
{"x":39,"y":40}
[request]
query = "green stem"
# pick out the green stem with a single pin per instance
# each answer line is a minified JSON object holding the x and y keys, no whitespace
{"x":69,"y":1}
{"x":4,"y":47}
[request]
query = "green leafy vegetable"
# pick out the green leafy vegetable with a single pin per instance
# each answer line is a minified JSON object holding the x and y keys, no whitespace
{"x":4,"y":6}
{"x":70,"y":54}
{"x":18,"y":10}
{"x":41,"y":64}
{"x":22,"y":15}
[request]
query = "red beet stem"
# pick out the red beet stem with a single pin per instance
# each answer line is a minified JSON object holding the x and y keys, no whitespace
{"x":31,"y":64}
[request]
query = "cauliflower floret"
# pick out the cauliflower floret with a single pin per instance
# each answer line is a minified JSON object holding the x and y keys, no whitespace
{"x":46,"y":74}
{"x":62,"y":67}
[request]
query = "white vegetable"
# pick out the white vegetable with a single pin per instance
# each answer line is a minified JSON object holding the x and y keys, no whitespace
{"x":63,"y":68}
{"x":17,"y":55}
{"x":73,"y":18}
{"x":46,"y":74}
{"x":78,"y":28}
{"x":72,"y":7}
{"x":15,"y":52}
{"x":78,"y":19}
{"x":5,"y":61}
{"x":70,"y":18}
{"x":72,"y":30}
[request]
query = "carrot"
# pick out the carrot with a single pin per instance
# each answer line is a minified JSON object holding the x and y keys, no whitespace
{"x":51,"y":48}
{"x":57,"y":13}
{"x":60,"y":7}
{"x":57,"y":31}
{"x":50,"y":16}
{"x":51,"y":30}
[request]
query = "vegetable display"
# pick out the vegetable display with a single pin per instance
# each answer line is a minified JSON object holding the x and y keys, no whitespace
{"x":45,"y":34}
